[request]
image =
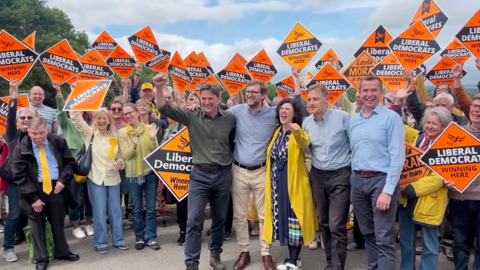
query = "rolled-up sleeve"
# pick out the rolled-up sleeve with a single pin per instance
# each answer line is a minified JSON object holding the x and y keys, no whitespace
{"x":396,"y":151}
{"x":181,"y":116}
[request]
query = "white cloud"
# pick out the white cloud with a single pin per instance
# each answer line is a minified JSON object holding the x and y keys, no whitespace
{"x":87,"y":14}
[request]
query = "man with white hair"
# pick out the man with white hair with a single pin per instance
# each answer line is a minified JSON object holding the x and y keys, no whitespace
{"x":446,"y":101}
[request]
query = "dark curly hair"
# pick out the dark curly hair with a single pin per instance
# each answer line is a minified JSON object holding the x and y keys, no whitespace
{"x":297,"y":110}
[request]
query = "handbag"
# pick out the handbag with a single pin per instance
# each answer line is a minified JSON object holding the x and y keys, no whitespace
{"x":84,"y":162}
{"x":6,"y":170}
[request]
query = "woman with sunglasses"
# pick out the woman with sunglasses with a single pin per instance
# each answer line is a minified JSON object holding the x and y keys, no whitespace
{"x":137,"y":141}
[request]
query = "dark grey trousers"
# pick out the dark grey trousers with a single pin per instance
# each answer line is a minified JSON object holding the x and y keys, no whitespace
{"x":206,"y":187}
{"x":331,"y":190}
{"x":378,"y":227}
{"x":54,"y":211}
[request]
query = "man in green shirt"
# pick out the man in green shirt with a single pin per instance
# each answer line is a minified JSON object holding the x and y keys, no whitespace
{"x":211,"y":176}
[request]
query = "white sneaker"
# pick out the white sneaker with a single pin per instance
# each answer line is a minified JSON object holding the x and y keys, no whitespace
{"x":287,"y":266}
{"x":89,"y":229}
{"x":313,"y":245}
{"x":79,"y":233}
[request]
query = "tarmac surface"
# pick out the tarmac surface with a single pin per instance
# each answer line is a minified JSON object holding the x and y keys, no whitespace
{"x":170,"y":256}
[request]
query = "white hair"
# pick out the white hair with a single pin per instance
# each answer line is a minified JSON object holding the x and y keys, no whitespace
{"x":21,"y":110}
{"x":448,"y":97}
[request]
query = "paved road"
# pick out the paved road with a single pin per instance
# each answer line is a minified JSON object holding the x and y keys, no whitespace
{"x":170,"y":257}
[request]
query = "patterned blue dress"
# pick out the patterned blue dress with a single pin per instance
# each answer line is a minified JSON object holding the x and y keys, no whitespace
{"x":286,"y":227}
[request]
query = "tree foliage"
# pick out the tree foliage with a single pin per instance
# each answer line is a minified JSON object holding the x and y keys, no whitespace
{"x":22,"y":17}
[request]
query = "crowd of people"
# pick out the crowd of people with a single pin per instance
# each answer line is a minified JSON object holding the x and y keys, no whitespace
{"x":299,"y":168}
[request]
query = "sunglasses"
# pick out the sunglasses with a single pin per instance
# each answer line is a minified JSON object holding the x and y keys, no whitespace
{"x":118,"y":109}
{"x":26,"y":117}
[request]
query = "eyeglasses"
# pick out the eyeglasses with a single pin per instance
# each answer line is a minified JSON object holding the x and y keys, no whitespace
{"x":129,"y":113}
{"x":26,"y":117}
{"x":475,"y":106}
{"x":118,"y":109}
{"x":252,"y":93}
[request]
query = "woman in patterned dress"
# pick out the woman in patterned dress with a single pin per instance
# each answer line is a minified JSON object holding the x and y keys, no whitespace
{"x":289,"y":207}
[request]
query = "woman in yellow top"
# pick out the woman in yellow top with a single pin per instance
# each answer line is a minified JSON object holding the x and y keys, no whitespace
{"x":137,"y":141}
{"x":289,"y":208}
{"x":423,"y":203}
{"x":103,"y":179}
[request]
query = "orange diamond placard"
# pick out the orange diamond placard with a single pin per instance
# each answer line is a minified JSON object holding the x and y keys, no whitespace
{"x":377,"y":44}
{"x":197,"y":70}
{"x":335,"y":83}
{"x":359,"y":68}
{"x":121,"y":62}
{"x":94,"y":67}
{"x":22,"y":102}
{"x":390,"y":72}
{"x":144,"y":45}
{"x":299,"y":47}
{"x":470,"y":34}
{"x":414,"y":46}
{"x":285,"y":87}
{"x":60,"y":62}
{"x":261,"y":67}
{"x":172,"y":162}
{"x":457,"y":52}
{"x":30,"y":41}
{"x":327,"y":57}
{"x":442,"y":72}
{"x":205,"y":62}
{"x":179,"y":72}
{"x":16,"y":59}
{"x":87,"y":95}
{"x":239,"y":57}
{"x":104,"y":44}
{"x":431,"y":15}
{"x":413,"y":168}
{"x":455,"y":156}
{"x":234,"y":76}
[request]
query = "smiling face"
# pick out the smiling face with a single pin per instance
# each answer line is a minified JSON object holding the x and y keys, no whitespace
{"x":116,"y":111}
{"x":442,"y":88}
{"x":475,"y":112}
{"x":286,"y":113}
{"x":24,"y":119}
{"x":143,"y":108}
{"x":370,"y":93}
{"x":131,"y":115}
{"x":254,"y":96}
{"x":37,"y":96}
{"x":101,"y":121}
{"x":317,"y":102}
{"x":433,"y":127}
{"x":147,"y":94}
{"x":209,"y":102}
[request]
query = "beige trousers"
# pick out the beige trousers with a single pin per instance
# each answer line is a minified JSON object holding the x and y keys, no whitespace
{"x":244,"y":182}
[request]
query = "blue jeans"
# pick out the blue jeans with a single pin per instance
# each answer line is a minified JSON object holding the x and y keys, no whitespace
{"x":204,"y":187}
{"x":101,"y":197}
{"x":13,"y":216}
{"x":144,"y":232}
{"x":74,"y":214}
{"x":465,"y":219}
{"x":408,"y":234}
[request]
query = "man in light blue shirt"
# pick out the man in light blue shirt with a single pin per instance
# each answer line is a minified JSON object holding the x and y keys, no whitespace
{"x":255,"y":125}
{"x":330,"y":172}
{"x":52,"y":162}
{"x":377,"y":139}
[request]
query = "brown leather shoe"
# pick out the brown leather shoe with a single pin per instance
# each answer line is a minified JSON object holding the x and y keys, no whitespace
{"x":268,"y":263}
{"x":242,"y":262}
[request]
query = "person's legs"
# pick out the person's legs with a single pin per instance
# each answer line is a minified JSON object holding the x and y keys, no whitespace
{"x":318,"y":180}
{"x":11,"y":222}
{"x":88,"y":205}
{"x":475,"y":209}
{"x":462,"y":226}
{"x":229,"y":218}
{"x":182,"y":214}
{"x":294,"y":253}
{"x":430,"y":248}
{"x":240,"y":195}
{"x":219,"y":197}
{"x":99,"y":200}
{"x":258,"y":190}
{"x":73,"y":213}
{"x":198,"y":195}
{"x":55,"y":213}
{"x":408,"y":231}
{"x":357,"y":234}
{"x":362,"y":204}
{"x":39,"y":240}
{"x":136,"y":197}
{"x":115,"y":214}
{"x":151,"y":186}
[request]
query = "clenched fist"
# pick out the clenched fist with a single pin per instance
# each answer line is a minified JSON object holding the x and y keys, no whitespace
{"x":160,"y":80}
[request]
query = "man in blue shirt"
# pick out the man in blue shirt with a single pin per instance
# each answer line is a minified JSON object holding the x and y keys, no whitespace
{"x":43,"y":167}
{"x":377,"y":140}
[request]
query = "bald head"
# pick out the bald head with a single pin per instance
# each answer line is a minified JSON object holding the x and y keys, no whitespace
{"x":37,"y":95}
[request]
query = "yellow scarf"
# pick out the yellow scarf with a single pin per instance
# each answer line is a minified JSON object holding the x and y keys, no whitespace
{"x":144,"y":147}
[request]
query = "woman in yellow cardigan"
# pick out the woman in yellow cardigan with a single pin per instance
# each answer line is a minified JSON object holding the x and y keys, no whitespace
{"x":289,"y":207}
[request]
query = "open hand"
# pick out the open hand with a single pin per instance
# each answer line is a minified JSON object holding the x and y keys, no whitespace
{"x":153,"y":131}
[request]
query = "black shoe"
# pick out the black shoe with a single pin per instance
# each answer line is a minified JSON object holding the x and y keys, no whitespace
{"x":228,"y":235}
{"x":19,"y":239}
{"x":139,"y":245}
{"x":41,"y":266}
{"x":69,"y":257}
{"x":181,"y":239}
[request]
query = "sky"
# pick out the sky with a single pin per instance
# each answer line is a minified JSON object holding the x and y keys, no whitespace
{"x":221,"y":28}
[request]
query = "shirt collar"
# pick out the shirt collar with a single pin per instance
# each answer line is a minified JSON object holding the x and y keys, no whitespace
{"x":220,"y":111}
{"x":250,"y":111}
{"x":324,"y":117}
{"x":377,"y":109}
{"x":44,"y":144}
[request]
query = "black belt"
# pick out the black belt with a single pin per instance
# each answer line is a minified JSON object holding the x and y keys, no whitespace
{"x":251,"y":168}
{"x":208,"y":168}
{"x":333,"y":171}
{"x":369,"y":174}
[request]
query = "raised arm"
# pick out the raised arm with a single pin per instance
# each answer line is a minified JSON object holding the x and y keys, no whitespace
{"x":181,"y":116}
{"x":11,"y":129}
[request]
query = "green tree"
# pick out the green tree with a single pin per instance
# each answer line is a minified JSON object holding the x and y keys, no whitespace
{"x":22,"y":17}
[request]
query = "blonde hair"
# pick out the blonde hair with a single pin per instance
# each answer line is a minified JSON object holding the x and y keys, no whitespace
{"x":97,"y":114}
{"x":144,"y":102}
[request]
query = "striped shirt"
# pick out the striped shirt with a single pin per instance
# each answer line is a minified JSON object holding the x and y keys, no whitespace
{"x":47,"y":113}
